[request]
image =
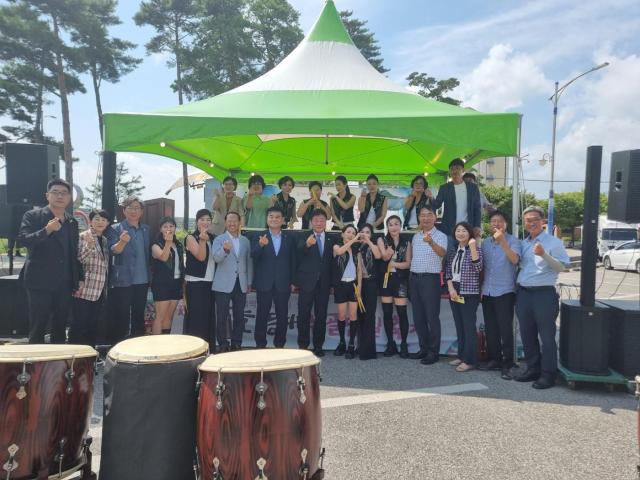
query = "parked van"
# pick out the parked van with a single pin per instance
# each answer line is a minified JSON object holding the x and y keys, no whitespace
{"x":612,"y":233}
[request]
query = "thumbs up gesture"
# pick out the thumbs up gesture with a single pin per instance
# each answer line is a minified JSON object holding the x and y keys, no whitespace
{"x":538,"y":249}
{"x":263,"y":241}
{"x":427,"y":238}
{"x":125,"y":237}
{"x":498,"y":236}
{"x":311,"y":240}
{"x":227,"y":246}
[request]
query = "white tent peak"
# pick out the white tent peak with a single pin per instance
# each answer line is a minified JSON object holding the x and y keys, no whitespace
{"x":326,"y":59}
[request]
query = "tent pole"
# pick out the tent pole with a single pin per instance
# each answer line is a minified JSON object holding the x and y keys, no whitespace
{"x":326,"y":149}
{"x":515,"y":197}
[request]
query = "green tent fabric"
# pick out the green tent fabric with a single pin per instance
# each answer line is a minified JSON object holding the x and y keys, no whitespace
{"x":323,"y":111}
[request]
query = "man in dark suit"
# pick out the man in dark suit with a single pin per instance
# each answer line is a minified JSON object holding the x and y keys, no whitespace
{"x":315,"y":253}
{"x":461,"y":200}
{"x":274,"y":265}
{"x":51,"y":271}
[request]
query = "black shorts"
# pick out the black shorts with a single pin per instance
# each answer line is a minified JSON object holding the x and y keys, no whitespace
{"x":167,"y":291}
{"x":397,"y":286}
{"x":344,"y":292}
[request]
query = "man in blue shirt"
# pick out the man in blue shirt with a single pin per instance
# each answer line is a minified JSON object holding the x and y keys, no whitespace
{"x":501,"y":253}
{"x":543,"y":257}
{"x":129,"y":274}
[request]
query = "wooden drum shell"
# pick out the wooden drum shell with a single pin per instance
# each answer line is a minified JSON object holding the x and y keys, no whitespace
{"x":240,"y":433}
{"x":38,"y":422}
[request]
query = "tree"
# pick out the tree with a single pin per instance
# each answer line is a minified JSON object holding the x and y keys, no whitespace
{"x":429,"y":87}
{"x":173,"y":21}
{"x":223,"y":54}
{"x":105,"y":58}
{"x":364,"y":39}
{"x":31,"y":75}
{"x":502,"y":197}
{"x":126,"y":186}
{"x":275,"y":30}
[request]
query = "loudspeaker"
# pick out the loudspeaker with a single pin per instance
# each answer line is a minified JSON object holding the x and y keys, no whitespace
{"x":14,"y":318}
{"x":625,"y":336}
{"x":624,"y":187}
{"x":30,"y":166}
{"x":10,"y":215}
{"x":584,"y":337}
{"x":590,"y":227}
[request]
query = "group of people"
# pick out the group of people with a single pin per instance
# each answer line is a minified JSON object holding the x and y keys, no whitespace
{"x":215,"y":266}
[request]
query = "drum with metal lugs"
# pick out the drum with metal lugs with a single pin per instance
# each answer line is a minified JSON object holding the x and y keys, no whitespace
{"x":46,"y":398}
{"x":259,"y":416}
{"x":150,"y":405}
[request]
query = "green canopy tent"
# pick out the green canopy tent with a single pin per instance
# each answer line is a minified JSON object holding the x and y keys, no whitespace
{"x":323,"y":111}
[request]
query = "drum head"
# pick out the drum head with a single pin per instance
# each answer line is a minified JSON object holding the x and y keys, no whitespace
{"x":158,"y":349}
{"x":43,"y":353}
{"x":270,"y":360}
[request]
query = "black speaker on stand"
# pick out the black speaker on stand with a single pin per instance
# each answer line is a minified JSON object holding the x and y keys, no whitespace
{"x":30,"y":166}
{"x":624,"y":187}
{"x":584,"y":325}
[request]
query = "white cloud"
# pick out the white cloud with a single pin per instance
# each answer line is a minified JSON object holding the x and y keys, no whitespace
{"x":601,"y":110}
{"x":502,"y":81}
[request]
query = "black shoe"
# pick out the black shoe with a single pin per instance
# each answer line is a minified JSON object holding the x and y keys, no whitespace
{"x":429,"y":360}
{"x":340,"y":349}
{"x":419,"y":355}
{"x":404,"y":350}
{"x":391,"y":350}
{"x":506,"y":374}
{"x":224,"y":349}
{"x":527,"y":376}
{"x":318,"y":352}
{"x":350,"y":352}
{"x":490,"y":365}
{"x":543,"y":383}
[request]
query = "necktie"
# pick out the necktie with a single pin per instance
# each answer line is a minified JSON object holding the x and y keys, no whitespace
{"x":320,"y":246}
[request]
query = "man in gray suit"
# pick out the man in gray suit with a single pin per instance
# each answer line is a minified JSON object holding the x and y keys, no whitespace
{"x":234,"y":272}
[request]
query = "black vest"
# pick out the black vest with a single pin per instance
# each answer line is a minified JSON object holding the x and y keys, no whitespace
{"x":344,"y":215}
{"x":163,"y":272}
{"x":377,"y":208}
{"x":196,"y":268}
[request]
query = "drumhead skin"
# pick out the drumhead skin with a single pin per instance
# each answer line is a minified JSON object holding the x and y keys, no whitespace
{"x":260,"y":360}
{"x":43,"y":353}
{"x":158,"y":349}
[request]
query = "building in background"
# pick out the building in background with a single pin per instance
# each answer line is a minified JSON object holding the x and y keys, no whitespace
{"x":493,"y":171}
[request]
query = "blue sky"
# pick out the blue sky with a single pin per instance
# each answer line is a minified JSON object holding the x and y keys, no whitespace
{"x":506,"y":54}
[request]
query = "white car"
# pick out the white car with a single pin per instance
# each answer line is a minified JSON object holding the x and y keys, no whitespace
{"x":624,"y":257}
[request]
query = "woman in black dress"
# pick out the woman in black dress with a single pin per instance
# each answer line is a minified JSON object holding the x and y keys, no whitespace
{"x":368,"y":253}
{"x":342,"y":204}
{"x":394,"y":284}
{"x":285,"y":202}
{"x":167,"y":275}
{"x":344,"y":289}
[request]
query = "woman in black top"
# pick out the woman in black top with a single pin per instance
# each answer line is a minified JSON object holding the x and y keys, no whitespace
{"x":345,"y":274}
{"x":368,"y":253}
{"x":167,"y":275}
{"x":394,"y":284}
{"x":417,"y":199}
{"x":342,"y":204}
{"x":199,"y":273}
{"x":372,"y":205}
{"x":306,"y":208}
{"x":285,"y":202}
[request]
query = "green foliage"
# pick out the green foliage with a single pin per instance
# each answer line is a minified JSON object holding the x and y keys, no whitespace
{"x":429,"y":87}
{"x":501,"y":198}
{"x":126,"y":186}
{"x":364,"y":39}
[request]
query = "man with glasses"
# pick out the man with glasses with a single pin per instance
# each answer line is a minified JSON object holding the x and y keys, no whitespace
{"x":543,"y":257}
{"x":51,"y":271}
{"x":129,"y":274}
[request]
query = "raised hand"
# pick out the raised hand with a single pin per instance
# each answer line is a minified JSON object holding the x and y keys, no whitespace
{"x":203,"y":235}
{"x":53,"y":225}
{"x":427,"y":238}
{"x":429,"y":193}
{"x":498,"y":236}
{"x":263,"y":240}
{"x":472,"y":243}
{"x":168,"y":237}
{"x":227,"y":246}
{"x":125,"y":237}
{"x":311,"y":240}
{"x":538,"y":249}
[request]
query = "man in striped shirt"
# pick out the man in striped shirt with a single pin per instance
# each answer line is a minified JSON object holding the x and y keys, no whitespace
{"x":429,"y":246}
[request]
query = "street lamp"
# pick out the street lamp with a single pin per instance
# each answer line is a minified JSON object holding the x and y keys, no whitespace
{"x":555,"y":97}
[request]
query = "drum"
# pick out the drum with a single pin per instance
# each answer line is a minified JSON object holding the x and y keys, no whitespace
{"x":259,"y":416}
{"x":46,"y":399}
{"x":150,"y":405}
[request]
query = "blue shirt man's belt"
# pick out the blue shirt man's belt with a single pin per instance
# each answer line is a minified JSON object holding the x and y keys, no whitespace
{"x":537,"y":289}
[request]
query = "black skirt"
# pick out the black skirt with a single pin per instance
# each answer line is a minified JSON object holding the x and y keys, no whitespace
{"x":397,"y":286}
{"x":167,"y":290}
{"x":344,"y":292}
